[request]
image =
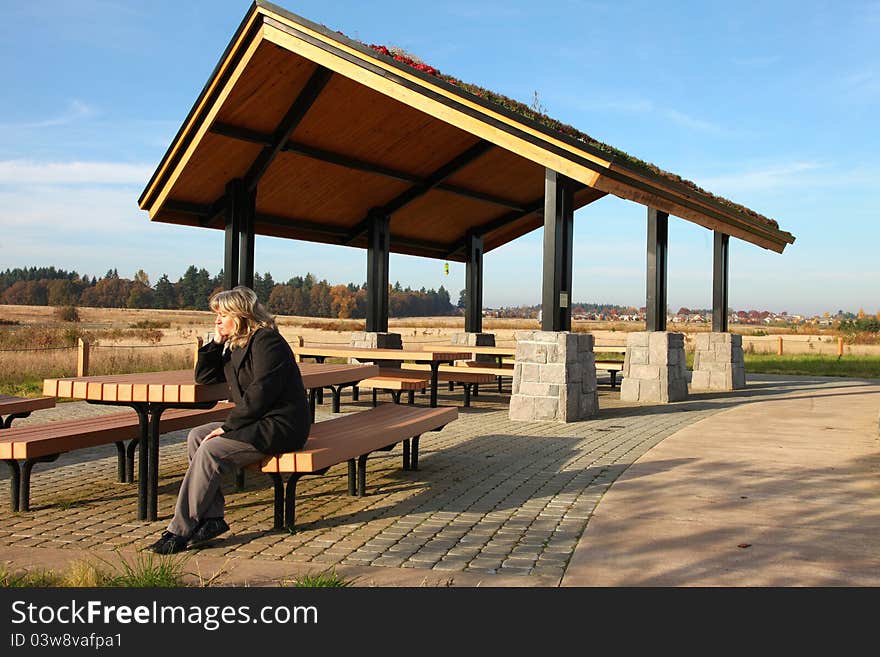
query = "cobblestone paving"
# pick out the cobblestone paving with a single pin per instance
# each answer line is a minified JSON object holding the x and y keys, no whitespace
{"x":490,"y":495}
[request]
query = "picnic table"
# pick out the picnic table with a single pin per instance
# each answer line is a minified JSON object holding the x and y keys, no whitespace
{"x":500,"y":353}
{"x":151,"y":393}
{"x":433,"y":357}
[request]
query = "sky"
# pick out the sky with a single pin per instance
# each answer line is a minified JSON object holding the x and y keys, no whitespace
{"x":772,"y":104}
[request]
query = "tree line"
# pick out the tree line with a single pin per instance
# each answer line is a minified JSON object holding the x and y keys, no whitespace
{"x":301,"y":295}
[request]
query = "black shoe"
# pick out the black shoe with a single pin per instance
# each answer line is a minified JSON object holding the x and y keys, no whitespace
{"x":168,"y":543}
{"x":208,"y":529}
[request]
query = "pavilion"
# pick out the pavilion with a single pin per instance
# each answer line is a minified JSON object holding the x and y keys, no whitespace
{"x":305,"y":134}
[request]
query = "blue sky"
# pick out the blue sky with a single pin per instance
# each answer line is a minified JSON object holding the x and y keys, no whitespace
{"x":772,"y":104}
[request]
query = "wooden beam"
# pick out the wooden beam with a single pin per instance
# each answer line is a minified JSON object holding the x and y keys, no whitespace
{"x":558,"y":243}
{"x":288,"y":124}
{"x":339,"y":159}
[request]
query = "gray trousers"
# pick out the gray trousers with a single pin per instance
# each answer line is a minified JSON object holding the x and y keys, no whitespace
{"x":200,"y":496}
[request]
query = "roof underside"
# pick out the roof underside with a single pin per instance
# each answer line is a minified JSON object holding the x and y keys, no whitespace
{"x":328,"y":131}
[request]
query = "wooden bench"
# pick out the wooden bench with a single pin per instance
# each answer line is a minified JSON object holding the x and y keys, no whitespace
{"x":468,"y":377}
{"x":20,"y":407}
{"x":351,"y":439}
{"x":396,"y":381}
{"x":22,"y":447}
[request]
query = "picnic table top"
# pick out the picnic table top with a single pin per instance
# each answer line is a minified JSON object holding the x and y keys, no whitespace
{"x":486,"y":351}
{"x":178,"y":386}
{"x":368,"y":353}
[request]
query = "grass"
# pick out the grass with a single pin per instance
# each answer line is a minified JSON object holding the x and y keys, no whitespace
{"x":325,"y":579}
{"x":145,"y":570}
{"x":861,"y":367}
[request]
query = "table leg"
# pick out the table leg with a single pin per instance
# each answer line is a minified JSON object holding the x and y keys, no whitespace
{"x":435,"y":369}
{"x":143,"y":460}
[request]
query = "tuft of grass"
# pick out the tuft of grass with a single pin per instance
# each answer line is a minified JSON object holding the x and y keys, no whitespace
{"x":145,"y":570}
{"x":148,"y":570}
{"x":37,"y":578}
{"x":324,"y":579}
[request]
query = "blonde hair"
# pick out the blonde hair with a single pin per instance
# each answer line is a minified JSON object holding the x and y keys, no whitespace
{"x":246,"y":311}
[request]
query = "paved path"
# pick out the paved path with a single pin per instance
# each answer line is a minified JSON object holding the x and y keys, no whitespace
{"x":501,"y":503}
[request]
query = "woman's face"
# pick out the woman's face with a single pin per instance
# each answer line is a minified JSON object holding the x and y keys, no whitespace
{"x":225,"y":324}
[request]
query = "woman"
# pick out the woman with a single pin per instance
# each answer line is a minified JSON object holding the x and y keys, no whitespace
{"x":271,"y":414}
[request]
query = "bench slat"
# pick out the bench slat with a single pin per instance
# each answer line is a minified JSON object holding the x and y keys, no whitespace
{"x":343,"y":438}
{"x":10,"y":405}
{"x":36,"y":440}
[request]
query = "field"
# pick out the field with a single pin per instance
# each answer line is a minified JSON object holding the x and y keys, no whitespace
{"x":35,"y":343}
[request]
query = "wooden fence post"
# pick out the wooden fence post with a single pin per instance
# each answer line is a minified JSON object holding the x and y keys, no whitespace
{"x":840,"y":346}
{"x":198,"y":346}
{"x":82,"y":357}
{"x":298,"y":342}
{"x":779,"y":346}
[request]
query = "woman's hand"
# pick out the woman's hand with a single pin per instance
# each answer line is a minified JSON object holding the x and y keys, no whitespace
{"x":216,"y":432}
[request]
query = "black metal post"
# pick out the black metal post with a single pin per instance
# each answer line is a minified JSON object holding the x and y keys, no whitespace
{"x":235,"y":190}
{"x":558,"y":236}
{"x":378,"y":248}
{"x":719,"y":282}
{"x":658,"y":238}
{"x":246,"y":239}
{"x":473,"y":312}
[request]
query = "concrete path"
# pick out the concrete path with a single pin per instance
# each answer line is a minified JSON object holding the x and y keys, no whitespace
{"x":781,"y":492}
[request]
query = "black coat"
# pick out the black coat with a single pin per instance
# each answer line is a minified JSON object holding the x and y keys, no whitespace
{"x":271,"y":406}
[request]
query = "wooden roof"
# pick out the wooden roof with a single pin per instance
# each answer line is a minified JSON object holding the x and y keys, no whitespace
{"x":328,"y":130}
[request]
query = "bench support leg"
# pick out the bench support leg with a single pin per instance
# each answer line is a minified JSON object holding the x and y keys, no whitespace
{"x":499,"y":384}
{"x":362,"y":475}
{"x":395,"y":395}
{"x":467,"y":393}
{"x":14,"y":483}
{"x":476,"y":391}
{"x":337,"y":392}
{"x":613,"y":378}
{"x":411,"y":397}
{"x":406,"y":457}
{"x":313,"y":396}
{"x":120,"y":461}
{"x":414,"y":456}
{"x":24,"y":495}
{"x":355,"y":393}
{"x":352,"y":477}
{"x":239,"y":480}
{"x":451,"y":386}
{"x":129,"y":455}
{"x":9,"y":418}
{"x":375,"y":401}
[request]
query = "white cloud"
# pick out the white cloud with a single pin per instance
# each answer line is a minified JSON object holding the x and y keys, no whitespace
{"x":73,"y":173}
{"x":646,"y":106}
{"x":75,"y":111}
{"x":793,"y":174}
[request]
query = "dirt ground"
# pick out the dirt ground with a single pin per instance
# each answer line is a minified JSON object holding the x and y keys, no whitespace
{"x":187,"y":325}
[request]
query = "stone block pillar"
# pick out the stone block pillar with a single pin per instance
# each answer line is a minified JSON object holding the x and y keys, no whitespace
{"x":377,"y":340}
{"x":477,"y":340}
{"x":554,"y":377}
{"x":718,"y":362}
{"x":654,"y":369}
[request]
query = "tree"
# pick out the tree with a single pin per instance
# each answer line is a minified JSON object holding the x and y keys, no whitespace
{"x":165,"y":296}
{"x":462,"y":299}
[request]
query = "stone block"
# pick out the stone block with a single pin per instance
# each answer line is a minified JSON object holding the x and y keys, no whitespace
{"x":700,"y":380}
{"x":547,"y":408}
{"x":522,"y":408}
{"x":529,"y":371}
{"x":559,"y":373}
{"x":629,"y":389}
{"x":637,"y":339}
